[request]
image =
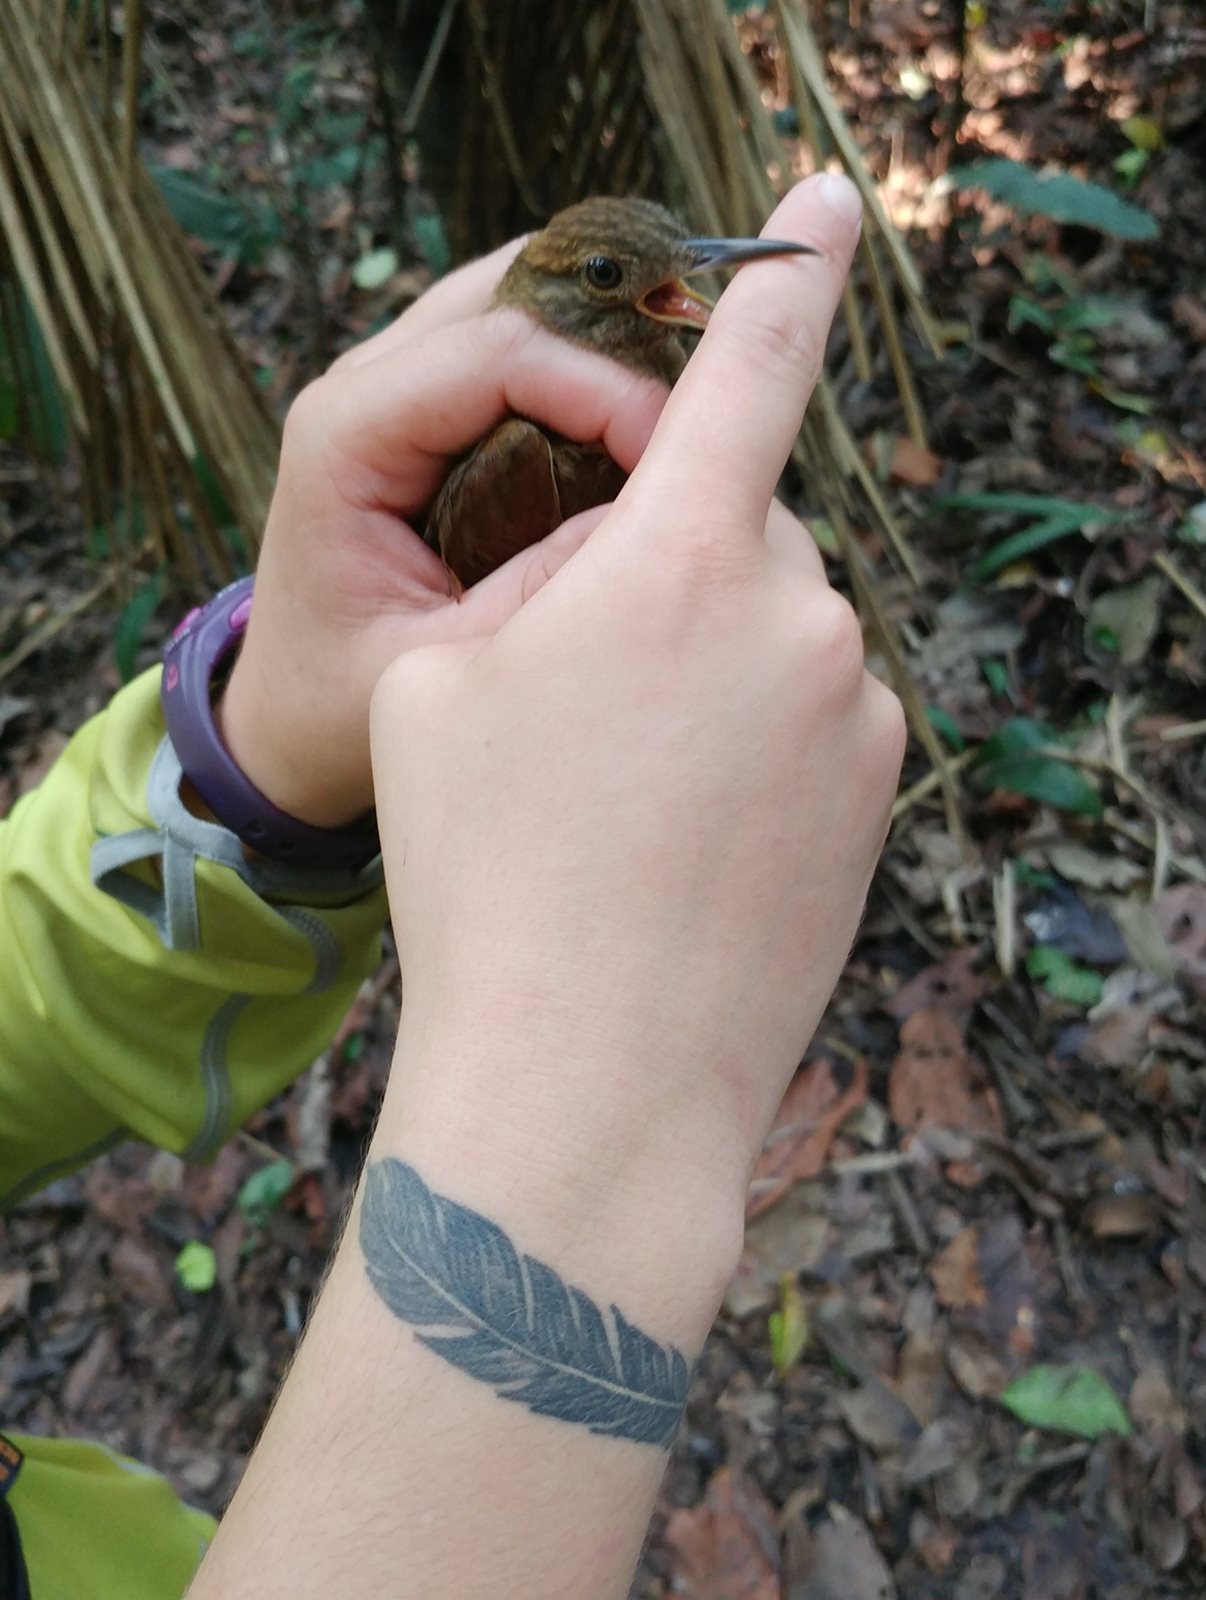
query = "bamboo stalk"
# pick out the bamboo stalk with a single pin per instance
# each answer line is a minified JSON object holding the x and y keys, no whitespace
{"x":131,"y":63}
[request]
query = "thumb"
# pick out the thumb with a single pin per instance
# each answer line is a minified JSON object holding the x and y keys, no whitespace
{"x":494,"y":601}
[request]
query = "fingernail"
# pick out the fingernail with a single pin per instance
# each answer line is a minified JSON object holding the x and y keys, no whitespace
{"x":840,"y":195}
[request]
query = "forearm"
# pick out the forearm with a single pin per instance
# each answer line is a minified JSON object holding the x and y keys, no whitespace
{"x":422,"y":1476}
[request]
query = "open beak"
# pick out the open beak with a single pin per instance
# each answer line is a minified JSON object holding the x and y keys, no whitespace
{"x":677,"y":303}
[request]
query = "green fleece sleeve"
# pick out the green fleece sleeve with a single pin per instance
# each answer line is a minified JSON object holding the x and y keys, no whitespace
{"x":154,"y":982}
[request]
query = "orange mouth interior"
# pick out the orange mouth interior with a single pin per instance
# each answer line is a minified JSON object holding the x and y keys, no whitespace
{"x":675,"y":303}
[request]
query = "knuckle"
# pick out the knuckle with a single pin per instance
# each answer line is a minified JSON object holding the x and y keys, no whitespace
{"x":836,"y":636}
{"x":304,"y":421}
{"x":782,"y":343}
{"x":409,"y":688}
{"x":889,"y":727}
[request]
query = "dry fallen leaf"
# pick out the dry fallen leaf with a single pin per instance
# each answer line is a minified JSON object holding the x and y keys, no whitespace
{"x":950,"y":985}
{"x":976,"y":1366}
{"x":813,"y":1109}
{"x":1154,"y":1406}
{"x":879,"y":1418}
{"x":1122,"y":1216}
{"x":1182,"y":914}
{"x":913,"y":464}
{"x":837,"y":1560}
{"x":956,"y":1273}
{"x":792,"y":1237}
{"x":934,"y":1083}
{"x":726,"y":1547}
{"x":1119,"y":1039}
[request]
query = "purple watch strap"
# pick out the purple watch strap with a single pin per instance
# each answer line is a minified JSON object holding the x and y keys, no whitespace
{"x":200,"y":643}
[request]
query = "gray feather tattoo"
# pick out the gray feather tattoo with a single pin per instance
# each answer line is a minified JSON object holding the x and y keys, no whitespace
{"x":509,"y":1320}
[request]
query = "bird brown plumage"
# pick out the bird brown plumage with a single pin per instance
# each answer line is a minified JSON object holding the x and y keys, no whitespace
{"x":607,"y":274}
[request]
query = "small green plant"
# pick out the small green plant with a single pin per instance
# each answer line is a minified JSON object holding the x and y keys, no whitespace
{"x":1145,"y":137}
{"x":788,"y":1326}
{"x":1047,"y":519}
{"x":132,"y":623}
{"x":197,"y":1267}
{"x":1066,"y":1399}
{"x":1058,"y":197}
{"x":1024,"y":757}
{"x":1070,"y":320}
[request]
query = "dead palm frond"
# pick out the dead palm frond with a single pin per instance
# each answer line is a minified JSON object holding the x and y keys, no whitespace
{"x":98,"y":286}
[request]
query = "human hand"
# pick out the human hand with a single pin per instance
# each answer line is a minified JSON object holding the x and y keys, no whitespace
{"x":628,"y":836}
{"x":344,"y":584}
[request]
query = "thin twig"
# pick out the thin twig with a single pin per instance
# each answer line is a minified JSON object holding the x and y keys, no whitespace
{"x":1184,"y":730}
{"x":435,"y":53}
{"x":924,"y":787}
{"x":53,"y":626}
{"x":1173,"y":572}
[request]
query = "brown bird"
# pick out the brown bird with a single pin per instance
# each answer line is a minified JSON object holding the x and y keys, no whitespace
{"x":608,"y":274}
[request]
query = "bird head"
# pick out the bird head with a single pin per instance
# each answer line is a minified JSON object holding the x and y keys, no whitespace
{"x":611,"y":274}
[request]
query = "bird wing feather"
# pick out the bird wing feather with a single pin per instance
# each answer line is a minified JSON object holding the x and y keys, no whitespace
{"x":495,"y":502}
{"x":512,"y":490}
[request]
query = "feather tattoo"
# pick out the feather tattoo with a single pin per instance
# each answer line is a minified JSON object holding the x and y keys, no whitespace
{"x":509,"y":1320}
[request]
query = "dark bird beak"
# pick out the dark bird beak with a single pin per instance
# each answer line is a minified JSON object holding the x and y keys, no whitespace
{"x":679,"y":305}
{"x":710,"y":253}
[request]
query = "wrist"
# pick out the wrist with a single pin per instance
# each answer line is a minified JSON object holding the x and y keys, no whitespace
{"x":291,"y":774}
{"x":583,"y":1159}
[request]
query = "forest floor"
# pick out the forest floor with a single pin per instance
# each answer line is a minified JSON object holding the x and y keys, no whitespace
{"x":981,"y":1220}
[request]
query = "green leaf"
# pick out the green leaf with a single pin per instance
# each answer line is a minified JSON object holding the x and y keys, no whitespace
{"x":131,"y":626}
{"x":1124,"y":399}
{"x":1193,"y":529}
{"x":1017,"y":545}
{"x":1017,"y":758}
{"x":1056,"y":519}
{"x":1130,"y":164}
{"x":1062,"y":978}
{"x":1088,"y":312}
{"x":432,"y":241}
{"x":1031,"y":877}
{"x":1066,"y":1399}
{"x":375,"y":268}
{"x":1004,"y":503}
{"x":1076,"y":353}
{"x":196,"y":1267}
{"x":946,"y":726}
{"x":236,"y":230}
{"x":1058,"y":196}
{"x":1046,"y":779}
{"x":264,"y":1190}
{"x":323,"y":172}
{"x":1017,"y":737}
{"x":996,"y":675}
{"x":1143,"y":132}
{"x":788,"y":1327}
{"x":1027,"y":313}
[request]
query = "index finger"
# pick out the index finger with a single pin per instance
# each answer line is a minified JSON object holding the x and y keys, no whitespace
{"x":729,"y":425}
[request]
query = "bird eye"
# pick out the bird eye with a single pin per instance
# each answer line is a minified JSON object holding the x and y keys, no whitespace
{"x":603,"y":273}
